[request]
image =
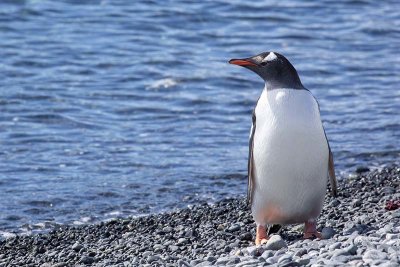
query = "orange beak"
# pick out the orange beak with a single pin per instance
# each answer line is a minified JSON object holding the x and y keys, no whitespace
{"x":242,"y":62}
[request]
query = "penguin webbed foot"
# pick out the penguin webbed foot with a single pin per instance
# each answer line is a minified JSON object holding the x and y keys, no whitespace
{"x":310,"y":230}
{"x":261,"y":235}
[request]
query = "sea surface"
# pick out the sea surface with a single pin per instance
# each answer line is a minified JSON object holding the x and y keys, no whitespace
{"x":124,"y":108}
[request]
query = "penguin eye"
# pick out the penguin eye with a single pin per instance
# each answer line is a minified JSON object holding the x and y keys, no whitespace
{"x":264,"y":63}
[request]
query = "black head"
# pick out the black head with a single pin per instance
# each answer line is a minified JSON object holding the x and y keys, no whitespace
{"x":273,"y":68}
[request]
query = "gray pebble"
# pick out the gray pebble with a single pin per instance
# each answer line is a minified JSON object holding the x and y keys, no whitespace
{"x":182,"y":241}
{"x":210,"y":258}
{"x":182,"y":263}
{"x":234,"y":228}
{"x":356,"y":202}
{"x":267,"y":254}
{"x":352,"y":249}
{"x":285,"y":258}
{"x":246,"y":236}
{"x":275,"y":242}
{"x":77,"y":247}
{"x":173,"y":248}
{"x":255,"y":251}
{"x":371,"y":255}
{"x":195,"y":262}
{"x":327,"y":232}
{"x":146,"y":254}
{"x":340,"y":252}
{"x":335,"y":202}
{"x":388,"y":190}
{"x":87,"y":260}
{"x":303,"y":261}
{"x":396,"y":214}
{"x":300,"y":252}
{"x":158,"y":247}
{"x":249,"y":263}
{"x":392,"y":236}
{"x":203,"y":264}
{"x":335,"y":246}
{"x":234,"y":260}
{"x":389,"y":264}
{"x":223,"y":261}
{"x":153,"y":258}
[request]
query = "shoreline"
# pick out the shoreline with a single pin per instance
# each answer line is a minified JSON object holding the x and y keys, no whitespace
{"x":358,"y":228}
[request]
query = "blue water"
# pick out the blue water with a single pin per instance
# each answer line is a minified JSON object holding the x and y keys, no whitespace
{"x":120,"y":108}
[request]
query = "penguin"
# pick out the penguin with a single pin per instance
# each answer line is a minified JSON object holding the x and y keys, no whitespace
{"x":289,"y":159}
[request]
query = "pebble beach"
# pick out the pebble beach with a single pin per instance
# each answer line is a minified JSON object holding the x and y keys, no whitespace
{"x":361,"y":227}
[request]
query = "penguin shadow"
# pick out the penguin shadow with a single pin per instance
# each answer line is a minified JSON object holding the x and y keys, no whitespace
{"x":289,"y":233}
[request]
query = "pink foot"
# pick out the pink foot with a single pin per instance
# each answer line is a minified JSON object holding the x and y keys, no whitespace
{"x":310,"y":230}
{"x":261,"y":235}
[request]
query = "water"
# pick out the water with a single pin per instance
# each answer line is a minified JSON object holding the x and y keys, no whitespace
{"x":115,"y":108}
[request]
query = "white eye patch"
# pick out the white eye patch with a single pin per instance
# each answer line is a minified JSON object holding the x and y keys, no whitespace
{"x":271,"y":56}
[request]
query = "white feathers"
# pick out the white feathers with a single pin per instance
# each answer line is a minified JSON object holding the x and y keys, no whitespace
{"x":290,"y":158}
{"x":271,"y":56}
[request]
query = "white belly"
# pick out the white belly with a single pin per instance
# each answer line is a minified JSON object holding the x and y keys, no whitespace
{"x":290,"y":158}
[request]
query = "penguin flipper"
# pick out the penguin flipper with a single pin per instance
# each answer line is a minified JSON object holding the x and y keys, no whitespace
{"x":331,"y":167}
{"x":250,"y":163}
{"x":332,"y":176}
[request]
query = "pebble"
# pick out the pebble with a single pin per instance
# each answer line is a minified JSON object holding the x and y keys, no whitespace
{"x":77,"y":247}
{"x":267,"y":254}
{"x":304,"y":261}
{"x":327,"y":232}
{"x":182,"y":241}
{"x":372,"y":255}
{"x":173,"y":248}
{"x":87,"y":260}
{"x":334,"y":246}
{"x":223,"y":260}
{"x":396,"y":214}
{"x":356,"y":228}
{"x":153,"y":258}
{"x":246,"y":237}
{"x":352,"y":249}
{"x":301,"y":252}
{"x":234,"y":228}
{"x":234,"y":260}
{"x":275,"y":242}
{"x":285,"y":258}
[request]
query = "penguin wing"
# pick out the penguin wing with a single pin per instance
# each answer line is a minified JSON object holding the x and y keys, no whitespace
{"x":331,"y":165}
{"x":250,"y":163}
{"x":331,"y":169}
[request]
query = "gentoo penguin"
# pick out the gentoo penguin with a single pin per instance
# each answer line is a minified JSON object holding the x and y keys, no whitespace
{"x":289,"y":155}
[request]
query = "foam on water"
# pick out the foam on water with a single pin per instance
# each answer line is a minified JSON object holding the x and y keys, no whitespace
{"x":163,"y":83}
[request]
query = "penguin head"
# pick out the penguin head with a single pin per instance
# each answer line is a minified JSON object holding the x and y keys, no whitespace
{"x":273,"y":68}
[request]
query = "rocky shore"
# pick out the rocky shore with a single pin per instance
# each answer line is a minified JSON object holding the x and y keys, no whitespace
{"x":361,"y":228}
